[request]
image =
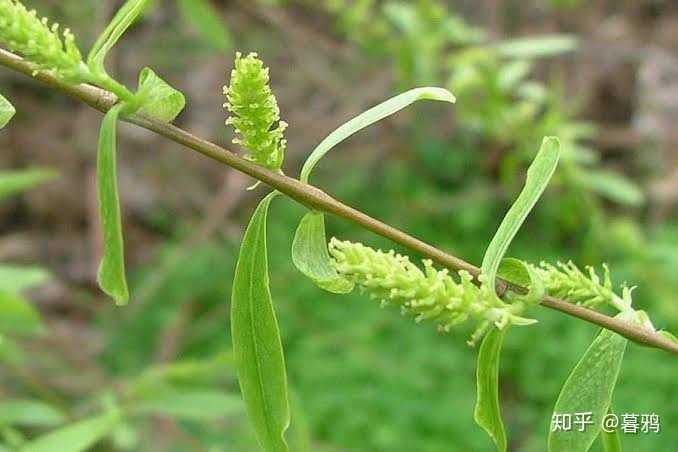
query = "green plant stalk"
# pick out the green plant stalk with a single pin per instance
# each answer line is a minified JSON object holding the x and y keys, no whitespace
{"x":112,"y":85}
{"x":314,"y":198}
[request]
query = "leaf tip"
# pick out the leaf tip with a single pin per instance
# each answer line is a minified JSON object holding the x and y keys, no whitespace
{"x":552,"y":143}
{"x":7,"y":111}
{"x":116,"y":290}
{"x":437,"y":93}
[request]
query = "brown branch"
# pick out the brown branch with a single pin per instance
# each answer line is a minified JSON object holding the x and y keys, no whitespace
{"x":314,"y":198}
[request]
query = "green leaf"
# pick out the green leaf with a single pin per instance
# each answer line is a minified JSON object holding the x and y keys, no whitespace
{"x":77,"y":437}
{"x":206,"y":371}
{"x":11,"y":352}
{"x":6,"y":111}
{"x":13,"y":182}
{"x":12,"y":437}
{"x":189,"y":404}
{"x":18,"y":315}
{"x":310,"y":255}
{"x":159,"y":100}
{"x":368,"y":118}
{"x":123,"y":19}
{"x":520,"y":273}
{"x":536,"y":47}
{"x":257,"y":345}
{"x":205,"y":20}
{"x":111,"y":275}
{"x":14,"y":278}
{"x":299,"y":433}
{"x":29,"y":413}
{"x":538,"y":175}
{"x":512,"y":74}
{"x":487,"y":412}
{"x":611,"y":440}
{"x":514,"y":271}
{"x":589,"y":388}
{"x":612,"y":186}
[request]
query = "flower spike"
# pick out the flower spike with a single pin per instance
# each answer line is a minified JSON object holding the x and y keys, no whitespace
{"x":428,"y":294}
{"x":566,"y":280}
{"x":254,"y":112}
{"x":24,"y":32}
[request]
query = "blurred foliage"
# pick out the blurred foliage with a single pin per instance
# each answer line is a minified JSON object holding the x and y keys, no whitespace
{"x":364,"y":379}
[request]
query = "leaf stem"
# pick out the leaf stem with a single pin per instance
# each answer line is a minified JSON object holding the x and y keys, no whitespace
{"x":112,"y":85}
{"x":314,"y":198}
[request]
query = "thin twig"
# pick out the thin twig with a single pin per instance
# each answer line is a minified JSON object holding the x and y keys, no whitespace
{"x":314,"y":198}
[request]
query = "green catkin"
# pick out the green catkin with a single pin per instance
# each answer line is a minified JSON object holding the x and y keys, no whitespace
{"x":255,"y":113}
{"x":566,"y":280}
{"x":428,"y":294}
{"x":22,"y":31}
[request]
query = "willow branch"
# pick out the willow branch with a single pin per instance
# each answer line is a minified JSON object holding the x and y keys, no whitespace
{"x":314,"y":198}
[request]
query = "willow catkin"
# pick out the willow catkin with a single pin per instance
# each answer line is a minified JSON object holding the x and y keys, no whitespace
{"x":22,"y":31}
{"x":254,"y":112}
{"x":428,"y":294}
{"x":566,"y":280}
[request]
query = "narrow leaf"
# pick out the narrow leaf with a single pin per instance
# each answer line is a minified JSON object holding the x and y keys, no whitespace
{"x":14,"y":278}
{"x":512,"y":74}
{"x":76,"y":437}
{"x":111,"y":275}
{"x":310,"y":255}
{"x":12,"y":437}
{"x":29,"y":413}
{"x":537,"y":46}
{"x":611,"y":440}
{"x":159,"y":100}
{"x":368,"y":118}
{"x":12,"y":353}
{"x":6,"y":111}
{"x":538,"y":175}
{"x":257,"y":345}
{"x":203,"y":371}
{"x":206,"y":21}
{"x":18,"y":315}
{"x":123,"y":19}
{"x":191,"y":404}
{"x":13,"y":182}
{"x":589,"y":388}
{"x":487,"y":411}
{"x":299,"y":432}
{"x":612,"y":186}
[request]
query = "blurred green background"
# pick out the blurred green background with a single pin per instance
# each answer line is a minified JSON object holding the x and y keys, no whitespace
{"x":601,"y":75}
